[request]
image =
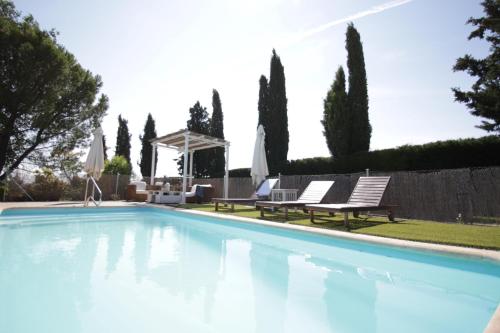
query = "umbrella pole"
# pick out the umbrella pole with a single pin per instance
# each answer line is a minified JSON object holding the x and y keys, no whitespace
{"x":86,"y":190}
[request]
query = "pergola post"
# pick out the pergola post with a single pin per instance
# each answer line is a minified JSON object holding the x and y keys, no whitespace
{"x":226,"y":174}
{"x":184,"y":174}
{"x":153,"y":157}
{"x":191,"y":168}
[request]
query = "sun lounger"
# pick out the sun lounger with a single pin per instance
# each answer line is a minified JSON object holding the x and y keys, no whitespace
{"x":313,"y":194}
{"x":263,"y":192}
{"x":366,"y":196}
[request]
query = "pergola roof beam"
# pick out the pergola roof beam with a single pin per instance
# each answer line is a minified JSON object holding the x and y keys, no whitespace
{"x":196,"y":141}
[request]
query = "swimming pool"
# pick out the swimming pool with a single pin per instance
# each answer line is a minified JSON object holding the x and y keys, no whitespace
{"x":152,"y":270}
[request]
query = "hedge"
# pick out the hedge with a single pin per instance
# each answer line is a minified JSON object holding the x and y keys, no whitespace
{"x":450,"y":154}
{"x":242,"y":172}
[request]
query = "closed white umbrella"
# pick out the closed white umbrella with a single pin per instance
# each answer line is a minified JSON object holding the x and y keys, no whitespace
{"x":259,"y":163}
{"x":94,"y":165}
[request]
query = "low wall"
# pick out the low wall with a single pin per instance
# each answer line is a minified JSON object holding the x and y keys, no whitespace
{"x":73,"y":191}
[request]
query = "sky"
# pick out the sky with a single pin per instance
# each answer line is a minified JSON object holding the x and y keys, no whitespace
{"x":160,"y":57}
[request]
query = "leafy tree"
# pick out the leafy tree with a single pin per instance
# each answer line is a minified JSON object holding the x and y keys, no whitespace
{"x":217,"y":159}
{"x":278,"y":117}
{"x":484,"y":98}
{"x":198,"y":122}
{"x":47,"y":100}
{"x":357,"y":96}
{"x":68,"y":164}
{"x":147,"y":149}
{"x":123,"y":139}
{"x":118,"y":164}
{"x":263,"y":107}
{"x":336,"y":121}
{"x":104,"y":147}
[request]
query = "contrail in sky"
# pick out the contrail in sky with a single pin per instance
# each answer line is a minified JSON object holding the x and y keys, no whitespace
{"x":371,"y":11}
{"x":297,"y":38}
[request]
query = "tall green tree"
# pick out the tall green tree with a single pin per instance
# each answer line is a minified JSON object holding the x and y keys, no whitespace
{"x":278,"y":117}
{"x":104,"y":147}
{"x":484,"y":98}
{"x":198,"y":122}
{"x":336,"y":121}
{"x":147,"y":149}
{"x":48,"y":102}
{"x":263,"y":108}
{"x":357,"y":96}
{"x":217,"y":159}
{"x":123,"y":139}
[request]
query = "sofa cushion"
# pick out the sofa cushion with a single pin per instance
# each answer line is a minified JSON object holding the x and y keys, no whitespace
{"x":139,"y":186}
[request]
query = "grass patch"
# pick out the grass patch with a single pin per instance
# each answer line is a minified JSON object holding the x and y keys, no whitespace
{"x":485,"y":237}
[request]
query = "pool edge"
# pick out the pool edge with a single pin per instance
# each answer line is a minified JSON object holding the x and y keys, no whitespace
{"x":428,"y":247}
{"x":494,"y":323}
{"x":442,"y":248}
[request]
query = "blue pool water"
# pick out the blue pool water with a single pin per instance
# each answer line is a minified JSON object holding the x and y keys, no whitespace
{"x":150,"y":270}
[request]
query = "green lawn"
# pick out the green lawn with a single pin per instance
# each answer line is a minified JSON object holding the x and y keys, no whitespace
{"x":487,"y":237}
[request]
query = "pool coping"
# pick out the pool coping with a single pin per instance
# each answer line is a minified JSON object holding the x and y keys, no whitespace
{"x":428,"y":247}
{"x":494,"y":323}
{"x":442,"y":248}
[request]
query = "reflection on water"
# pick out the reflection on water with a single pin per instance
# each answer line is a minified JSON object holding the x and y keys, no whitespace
{"x":269,"y":270}
{"x":133,"y":271}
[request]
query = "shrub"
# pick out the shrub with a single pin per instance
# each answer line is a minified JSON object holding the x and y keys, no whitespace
{"x":242,"y":172}
{"x":118,"y":164}
{"x":46,"y":187}
{"x":451,"y":154}
{"x":75,"y":190}
{"x":12,"y":188}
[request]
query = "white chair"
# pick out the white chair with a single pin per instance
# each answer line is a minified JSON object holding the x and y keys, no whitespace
{"x":262,"y":192}
{"x":140,"y":187}
{"x":192,"y":193}
{"x":313,"y":194}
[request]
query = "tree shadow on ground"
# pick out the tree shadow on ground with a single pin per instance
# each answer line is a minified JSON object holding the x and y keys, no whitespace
{"x":322,"y":220}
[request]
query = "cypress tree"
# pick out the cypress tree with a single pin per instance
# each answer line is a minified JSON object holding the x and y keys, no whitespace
{"x":123,"y":139}
{"x":147,"y":149}
{"x":357,"y":97}
{"x":104,"y":147}
{"x":278,"y":117}
{"x":263,"y":107}
{"x":198,"y":122}
{"x":336,"y":122}
{"x":217,"y":159}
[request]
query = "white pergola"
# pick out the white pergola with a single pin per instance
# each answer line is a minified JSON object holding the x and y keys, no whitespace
{"x":187,"y":142}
